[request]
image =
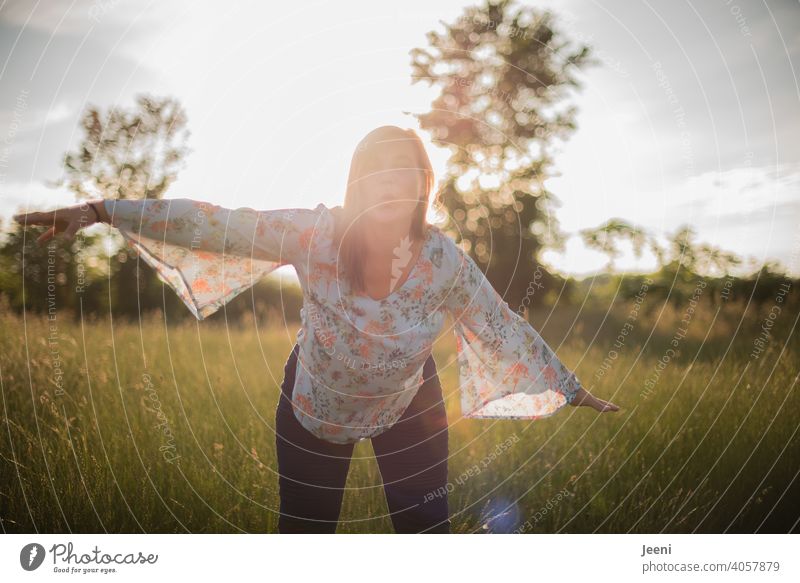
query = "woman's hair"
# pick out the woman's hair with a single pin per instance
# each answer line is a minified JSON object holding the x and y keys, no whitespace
{"x":349,"y":234}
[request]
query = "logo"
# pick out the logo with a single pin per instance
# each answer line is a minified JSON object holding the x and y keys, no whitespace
{"x":31,"y":556}
{"x":402,"y":255}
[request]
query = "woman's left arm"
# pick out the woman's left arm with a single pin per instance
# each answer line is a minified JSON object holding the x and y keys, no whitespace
{"x":505,"y":367}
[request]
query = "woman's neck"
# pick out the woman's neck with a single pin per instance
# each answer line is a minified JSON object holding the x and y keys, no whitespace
{"x":384,"y":238}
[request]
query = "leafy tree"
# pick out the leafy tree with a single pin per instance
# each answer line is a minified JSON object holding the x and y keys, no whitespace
{"x":132,"y":154}
{"x":606,"y":237}
{"x":61,"y":277}
{"x":504,"y":76}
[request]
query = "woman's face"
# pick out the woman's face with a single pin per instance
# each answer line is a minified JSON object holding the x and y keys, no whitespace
{"x":391,"y":185}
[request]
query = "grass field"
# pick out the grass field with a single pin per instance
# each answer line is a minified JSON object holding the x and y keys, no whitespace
{"x":710,"y":446}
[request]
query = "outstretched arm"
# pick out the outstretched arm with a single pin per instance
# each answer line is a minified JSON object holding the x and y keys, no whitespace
{"x":506,"y":367}
{"x":584,"y":398}
{"x":271,"y":235}
{"x":66,"y":220}
{"x":206,"y":253}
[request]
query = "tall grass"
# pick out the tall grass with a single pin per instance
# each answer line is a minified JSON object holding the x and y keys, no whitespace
{"x":169,"y":428}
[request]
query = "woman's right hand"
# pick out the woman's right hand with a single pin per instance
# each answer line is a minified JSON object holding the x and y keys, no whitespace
{"x":67,"y":220}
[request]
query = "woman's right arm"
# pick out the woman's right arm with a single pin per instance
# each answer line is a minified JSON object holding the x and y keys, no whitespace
{"x":209,"y":254}
{"x":206,"y":253}
{"x":280,"y":235}
{"x":271,"y":235}
{"x":66,"y":220}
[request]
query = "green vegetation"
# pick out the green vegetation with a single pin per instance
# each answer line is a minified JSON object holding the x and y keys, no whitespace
{"x":711,"y":447}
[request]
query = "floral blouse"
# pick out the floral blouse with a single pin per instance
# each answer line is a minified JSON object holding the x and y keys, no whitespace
{"x":360,"y":360}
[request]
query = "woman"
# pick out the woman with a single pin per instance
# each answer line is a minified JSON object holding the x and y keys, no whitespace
{"x":377,"y":282}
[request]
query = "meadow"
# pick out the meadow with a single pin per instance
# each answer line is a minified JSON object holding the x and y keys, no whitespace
{"x":154,"y":427}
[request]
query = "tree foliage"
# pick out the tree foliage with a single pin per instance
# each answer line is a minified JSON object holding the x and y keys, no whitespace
{"x":129,"y":154}
{"x":505,"y":74}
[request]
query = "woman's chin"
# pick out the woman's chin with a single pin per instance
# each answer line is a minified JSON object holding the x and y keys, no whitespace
{"x":387,"y":213}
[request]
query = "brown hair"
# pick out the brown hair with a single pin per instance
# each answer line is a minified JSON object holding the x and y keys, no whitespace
{"x":349,"y":235}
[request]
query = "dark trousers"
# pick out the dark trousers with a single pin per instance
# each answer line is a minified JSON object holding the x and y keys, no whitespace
{"x":411,"y":455}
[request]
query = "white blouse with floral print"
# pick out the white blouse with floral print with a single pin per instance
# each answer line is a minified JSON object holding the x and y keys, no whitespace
{"x":360,"y":360}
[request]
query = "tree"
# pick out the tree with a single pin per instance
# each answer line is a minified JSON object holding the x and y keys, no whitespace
{"x":606,"y":237}
{"x":129,"y":155}
{"x":504,"y":77}
{"x":57,"y":278}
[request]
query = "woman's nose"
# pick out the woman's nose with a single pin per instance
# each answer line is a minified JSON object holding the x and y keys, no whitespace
{"x":388,"y":177}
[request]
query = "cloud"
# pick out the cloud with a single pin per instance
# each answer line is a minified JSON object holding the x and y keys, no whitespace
{"x":29,"y":197}
{"x":738,"y":191}
{"x":76,"y":17}
{"x":55,"y":17}
{"x":30,"y":120}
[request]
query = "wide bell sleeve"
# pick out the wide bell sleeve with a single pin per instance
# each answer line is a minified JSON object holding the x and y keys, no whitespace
{"x":506,"y":369}
{"x":209,"y":254}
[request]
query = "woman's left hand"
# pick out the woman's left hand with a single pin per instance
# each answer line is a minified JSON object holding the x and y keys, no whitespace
{"x":584,"y":398}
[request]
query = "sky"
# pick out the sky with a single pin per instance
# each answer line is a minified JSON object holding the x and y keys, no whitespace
{"x":691,"y":118}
